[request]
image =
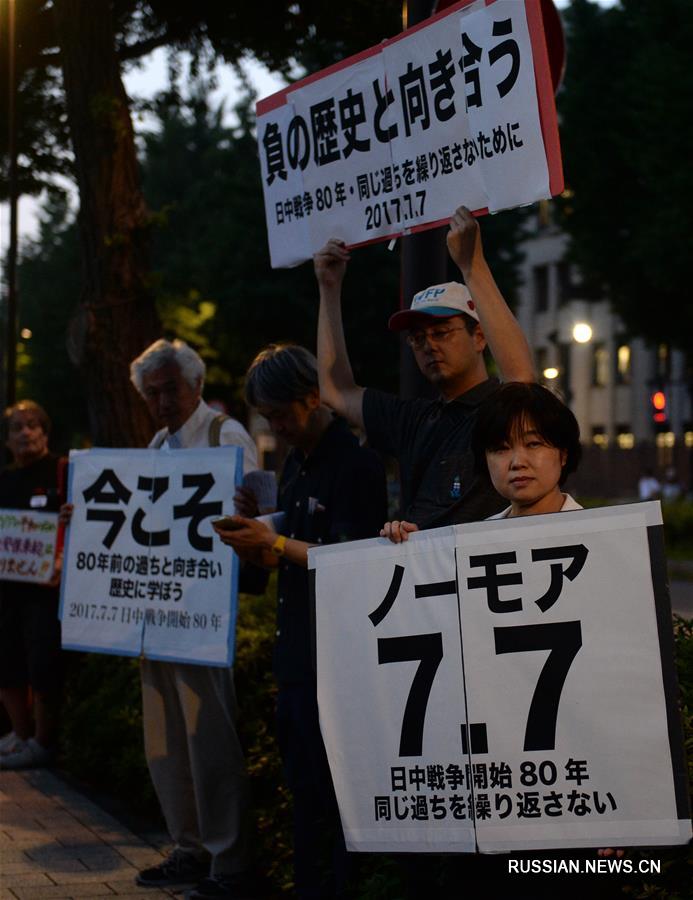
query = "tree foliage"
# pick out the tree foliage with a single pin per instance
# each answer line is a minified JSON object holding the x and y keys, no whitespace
{"x":284,"y":34}
{"x":193,"y":241}
{"x":211,"y":243}
{"x":625,"y":127}
{"x":209,"y":268}
{"x":50,"y":285}
{"x":209,"y":271}
{"x":42,"y":132}
{"x":90,"y":42}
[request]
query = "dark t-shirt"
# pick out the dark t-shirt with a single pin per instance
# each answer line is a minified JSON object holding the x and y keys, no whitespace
{"x":335,"y":494}
{"x":431,"y":441}
{"x":18,"y":484}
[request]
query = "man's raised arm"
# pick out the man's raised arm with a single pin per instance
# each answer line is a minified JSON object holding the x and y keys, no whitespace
{"x":337,"y":386}
{"x":501,"y":329}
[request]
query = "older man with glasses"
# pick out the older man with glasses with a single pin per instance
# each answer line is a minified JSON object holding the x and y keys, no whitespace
{"x":449,"y":326}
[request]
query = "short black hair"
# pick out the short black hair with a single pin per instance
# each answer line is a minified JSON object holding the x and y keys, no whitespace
{"x":513,"y":404}
{"x":470,"y":323}
{"x":281,"y":373}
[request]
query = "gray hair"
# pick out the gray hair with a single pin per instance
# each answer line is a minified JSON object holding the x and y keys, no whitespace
{"x":162,"y":353}
{"x":280,"y":374}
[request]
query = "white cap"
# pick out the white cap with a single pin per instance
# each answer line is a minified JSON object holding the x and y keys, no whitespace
{"x":442,"y":300}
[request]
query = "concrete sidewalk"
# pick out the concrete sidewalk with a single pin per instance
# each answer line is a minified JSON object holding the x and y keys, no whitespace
{"x":54,"y":843}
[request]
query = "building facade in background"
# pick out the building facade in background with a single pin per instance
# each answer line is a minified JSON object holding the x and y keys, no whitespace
{"x":632,"y":399}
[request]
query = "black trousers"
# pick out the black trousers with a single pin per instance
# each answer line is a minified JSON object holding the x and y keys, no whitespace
{"x":320,"y":857}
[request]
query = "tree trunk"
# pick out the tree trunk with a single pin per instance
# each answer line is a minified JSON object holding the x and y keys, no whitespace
{"x":117,"y":318}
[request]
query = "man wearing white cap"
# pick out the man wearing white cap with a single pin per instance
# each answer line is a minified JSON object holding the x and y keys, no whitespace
{"x":449,"y":326}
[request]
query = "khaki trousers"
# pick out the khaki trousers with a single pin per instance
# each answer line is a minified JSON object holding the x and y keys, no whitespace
{"x":195,"y":760}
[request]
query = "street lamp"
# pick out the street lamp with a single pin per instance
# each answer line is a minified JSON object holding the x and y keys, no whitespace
{"x":582,"y":332}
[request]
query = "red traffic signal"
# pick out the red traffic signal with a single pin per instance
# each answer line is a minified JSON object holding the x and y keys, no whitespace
{"x":659,"y":406}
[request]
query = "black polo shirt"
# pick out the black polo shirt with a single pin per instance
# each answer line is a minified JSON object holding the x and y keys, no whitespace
{"x":431,"y":440}
{"x":337,"y":493}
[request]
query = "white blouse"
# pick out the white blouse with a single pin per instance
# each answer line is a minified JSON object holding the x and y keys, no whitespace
{"x":568,"y":506}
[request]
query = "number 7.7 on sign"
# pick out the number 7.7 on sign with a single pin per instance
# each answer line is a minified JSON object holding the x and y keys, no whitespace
{"x":562,"y":639}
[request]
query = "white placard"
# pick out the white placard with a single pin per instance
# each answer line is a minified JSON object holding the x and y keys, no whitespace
{"x":393,"y":139}
{"x":144,"y":573}
{"x":27,"y":545}
{"x":504,"y":685}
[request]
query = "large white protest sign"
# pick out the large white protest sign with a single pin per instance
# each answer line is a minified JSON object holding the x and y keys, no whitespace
{"x":502,"y":686}
{"x":144,"y":573}
{"x":457,"y":110}
{"x":27,"y":545}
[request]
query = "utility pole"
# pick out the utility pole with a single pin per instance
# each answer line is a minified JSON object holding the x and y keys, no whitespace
{"x":13,"y":186}
{"x":424,"y":256}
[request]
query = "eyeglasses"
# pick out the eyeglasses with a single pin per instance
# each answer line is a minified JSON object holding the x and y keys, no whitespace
{"x":417,"y":339}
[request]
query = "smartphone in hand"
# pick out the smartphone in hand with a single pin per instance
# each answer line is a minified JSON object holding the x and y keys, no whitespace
{"x":226,"y":523}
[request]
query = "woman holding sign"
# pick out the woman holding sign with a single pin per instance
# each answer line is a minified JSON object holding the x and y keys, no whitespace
{"x":528,"y":442}
{"x":30,"y":655}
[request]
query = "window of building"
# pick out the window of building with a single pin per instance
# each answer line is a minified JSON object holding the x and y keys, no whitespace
{"x":542,"y":358}
{"x":564,"y":366}
{"x":600,"y":365}
{"x":623,"y":363}
{"x":665,"y":439}
{"x":625,"y":437}
{"x":565,"y":282}
{"x":663,"y":362}
{"x":688,"y":438}
{"x":599,"y":437}
{"x":541,"y":288}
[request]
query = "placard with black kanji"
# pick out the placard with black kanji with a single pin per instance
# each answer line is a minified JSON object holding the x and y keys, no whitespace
{"x":144,"y":573}
{"x":503,"y":685}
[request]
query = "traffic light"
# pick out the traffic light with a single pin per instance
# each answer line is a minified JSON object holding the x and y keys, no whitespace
{"x":658,"y":401}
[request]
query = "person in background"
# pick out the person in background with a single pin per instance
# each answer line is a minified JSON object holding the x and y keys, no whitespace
{"x":649,"y":487}
{"x":671,"y":489}
{"x":330,"y":490}
{"x":30,"y":654}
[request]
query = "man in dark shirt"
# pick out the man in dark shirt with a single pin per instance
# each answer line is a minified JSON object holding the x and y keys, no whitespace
{"x":448,"y":328}
{"x":330,"y":490}
{"x":30,"y":654}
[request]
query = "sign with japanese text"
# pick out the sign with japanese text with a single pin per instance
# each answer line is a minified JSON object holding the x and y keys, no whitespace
{"x":144,"y":573}
{"x":27,"y":545}
{"x":505,"y":685}
{"x":458,"y":110}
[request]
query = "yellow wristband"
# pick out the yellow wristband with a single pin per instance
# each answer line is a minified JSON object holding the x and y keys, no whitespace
{"x":279,"y":546}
